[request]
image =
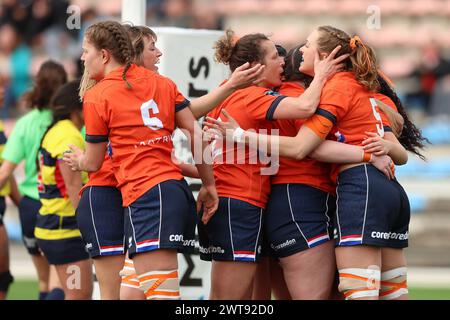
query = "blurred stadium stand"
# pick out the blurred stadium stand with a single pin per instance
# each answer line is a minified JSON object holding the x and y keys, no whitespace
{"x":407,"y":27}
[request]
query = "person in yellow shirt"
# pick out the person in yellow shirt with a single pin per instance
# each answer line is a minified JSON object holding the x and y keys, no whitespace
{"x":56,"y":228}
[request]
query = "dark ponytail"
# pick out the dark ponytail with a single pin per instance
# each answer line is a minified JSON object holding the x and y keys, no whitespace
{"x":292,"y":63}
{"x":65,"y":101}
{"x":411,"y":137}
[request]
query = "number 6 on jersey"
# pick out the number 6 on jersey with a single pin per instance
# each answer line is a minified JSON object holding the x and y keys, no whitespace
{"x":151,"y":122}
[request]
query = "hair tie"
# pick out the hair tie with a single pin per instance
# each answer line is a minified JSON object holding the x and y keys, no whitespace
{"x":353,"y":45}
{"x":354,"y":42}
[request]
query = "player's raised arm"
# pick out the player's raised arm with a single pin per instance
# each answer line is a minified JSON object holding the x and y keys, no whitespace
{"x":244,"y":76}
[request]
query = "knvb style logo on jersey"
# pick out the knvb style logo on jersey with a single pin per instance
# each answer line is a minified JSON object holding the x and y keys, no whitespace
{"x":272,"y":93}
{"x":339,"y":137}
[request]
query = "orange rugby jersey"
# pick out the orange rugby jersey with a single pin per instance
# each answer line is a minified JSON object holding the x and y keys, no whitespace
{"x":139,"y":123}
{"x":253,"y":108}
{"x":102,"y":178}
{"x":385,"y":119}
{"x":105,"y":176}
{"x":350,"y":110}
{"x":307,"y":171}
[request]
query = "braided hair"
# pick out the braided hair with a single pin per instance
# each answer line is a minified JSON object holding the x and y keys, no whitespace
{"x":362,"y":61}
{"x":411,"y":137}
{"x":112,"y":36}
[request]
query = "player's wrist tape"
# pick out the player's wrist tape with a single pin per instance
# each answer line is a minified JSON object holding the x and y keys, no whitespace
{"x":366,"y":156}
{"x":238,"y":135}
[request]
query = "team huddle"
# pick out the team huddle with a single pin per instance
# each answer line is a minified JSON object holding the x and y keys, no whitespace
{"x":330,"y":222}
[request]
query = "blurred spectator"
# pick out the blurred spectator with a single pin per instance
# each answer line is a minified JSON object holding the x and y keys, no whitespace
{"x":431,"y":68}
{"x":178,"y":13}
{"x":439,"y":103}
{"x":155,"y":12}
{"x":206,"y":16}
{"x":30,"y":32}
{"x":16,"y":60}
{"x":196,"y":14}
{"x":32,"y":17}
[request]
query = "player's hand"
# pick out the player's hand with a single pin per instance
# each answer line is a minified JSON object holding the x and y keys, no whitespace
{"x":376,"y":145}
{"x":210,"y":134}
{"x":72,"y":158}
{"x":396,"y":120}
{"x":225,"y":128}
{"x":244,"y":76}
{"x":208,"y":199}
{"x":384,"y":164}
{"x":326,"y":68}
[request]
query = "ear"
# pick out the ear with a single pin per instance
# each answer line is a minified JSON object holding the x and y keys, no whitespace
{"x":105,"y":56}
{"x":323,"y":55}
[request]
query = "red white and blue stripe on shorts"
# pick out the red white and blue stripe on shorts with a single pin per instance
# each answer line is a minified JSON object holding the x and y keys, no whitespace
{"x":112,"y":250}
{"x":147,"y":245}
{"x":351,"y":240}
{"x":244,"y":255}
{"x":315,"y":241}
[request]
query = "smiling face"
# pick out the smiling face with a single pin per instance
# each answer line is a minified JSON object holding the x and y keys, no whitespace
{"x":309,"y":52}
{"x":273,"y":71}
{"x":151,"y":54}
{"x":93,"y":60}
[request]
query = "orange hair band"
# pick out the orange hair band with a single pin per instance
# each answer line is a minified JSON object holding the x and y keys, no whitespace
{"x":353,"y":45}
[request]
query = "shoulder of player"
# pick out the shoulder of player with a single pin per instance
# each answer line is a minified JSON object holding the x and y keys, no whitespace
{"x":253,"y":92}
{"x":342,"y":83}
{"x":64,"y":128}
{"x":291,"y":89}
{"x":162,"y":81}
{"x":28,"y":117}
{"x":385,"y":99}
{"x":62,"y":133}
{"x":104,"y":90}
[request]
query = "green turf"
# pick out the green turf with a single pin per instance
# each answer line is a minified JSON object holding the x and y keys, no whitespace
{"x":23,"y":290}
{"x":429,"y":294}
{"x":28,"y":290}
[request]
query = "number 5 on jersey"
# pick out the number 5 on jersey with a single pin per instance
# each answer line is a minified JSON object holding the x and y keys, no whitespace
{"x":151,"y":122}
{"x":380,"y":127}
